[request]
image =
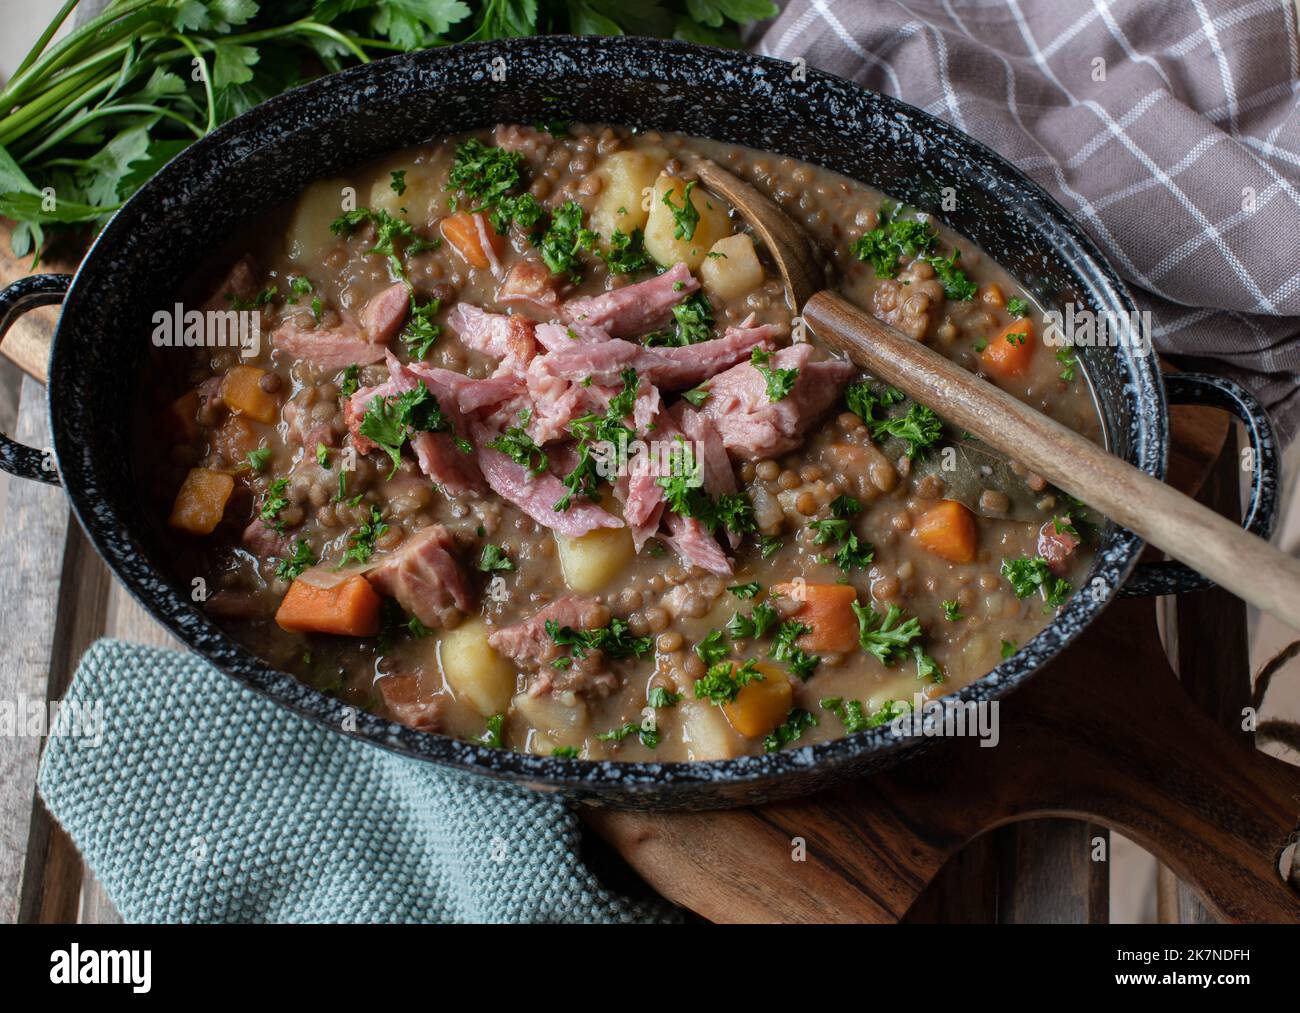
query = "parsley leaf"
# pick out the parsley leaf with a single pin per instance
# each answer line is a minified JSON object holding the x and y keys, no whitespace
{"x":956,"y":286}
{"x":397,"y":181}
{"x":692,"y":323}
{"x":745,"y":591}
{"x":920,"y":428}
{"x":563,"y":240}
{"x":850,"y":712}
{"x":275,"y":502}
{"x":754,"y":625}
{"x":723,"y":682}
{"x":952,"y":612}
{"x":494,"y":559}
{"x":627,"y":253}
{"x":658,"y":697}
{"x":291,"y":566}
{"x":696,"y":397}
{"x":390,"y":421}
{"x":779,"y":381}
{"x":650,"y":737}
{"x":517,"y":445}
{"x":484,"y":173}
{"x":711,"y":649}
{"x":884,"y":637}
{"x":891,"y":240}
{"x":784,"y":649}
{"x":1018,"y":307}
{"x":420,"y":331}
{"x":257,"y":459}
{"x":361,"y":543}
{"x":685,"y":218}
{"x":862,"y":400}
{"x":795,"y":724}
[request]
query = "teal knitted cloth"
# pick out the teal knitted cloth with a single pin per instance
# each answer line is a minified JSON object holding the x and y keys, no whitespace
{"x":206,"y":803}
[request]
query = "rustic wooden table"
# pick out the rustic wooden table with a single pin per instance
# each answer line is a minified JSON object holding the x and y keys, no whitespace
{"x":59,"y":597}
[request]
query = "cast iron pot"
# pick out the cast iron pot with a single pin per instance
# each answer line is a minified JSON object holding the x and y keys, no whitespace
{"x":269,"y":154}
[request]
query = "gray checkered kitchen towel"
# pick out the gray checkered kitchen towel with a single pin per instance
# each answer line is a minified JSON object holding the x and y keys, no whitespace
{"x":1183,"y":163}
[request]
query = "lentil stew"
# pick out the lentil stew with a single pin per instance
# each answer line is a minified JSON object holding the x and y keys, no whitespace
{"x":533,"y":453}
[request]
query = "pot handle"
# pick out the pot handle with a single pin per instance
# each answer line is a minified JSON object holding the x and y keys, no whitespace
{"x":1205,"y":389}
{"x":15,"y":300}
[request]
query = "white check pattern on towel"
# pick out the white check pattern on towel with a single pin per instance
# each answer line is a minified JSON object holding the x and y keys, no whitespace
{"x":1183,"y":163}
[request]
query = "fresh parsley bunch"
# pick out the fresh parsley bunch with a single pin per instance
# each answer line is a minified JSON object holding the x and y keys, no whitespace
{"x":85,"y":121}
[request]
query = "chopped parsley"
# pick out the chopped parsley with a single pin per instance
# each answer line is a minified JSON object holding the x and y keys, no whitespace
{"x":390,"y":421}
{"x":731,"y":510}
{"x":685,"y":218}
{"x":784,"y":649}
{"x":299,"y":285}
{"x":844,"y":506}
{"x":258,"y":459}
{"x":1029,"y":574}
{"x":1018,"y":307}
{"x":692,"y":323}
{"x":723,"y":682}
{"x":1008,"y":648}
{"x":920,"y":428}
{"x":883,"y":636}
{"x":420,"y":331}
{"x":361,"y":543}
{"x":323,"y":455}
{"x":291,"y":566}
{"x":795,"y":724}
{"x":275,"y":502}
{"x":627,"y":254}
{"x":850,"y":712}
{"x":263,"y":298}
{"x":696,"y":397}
{"x":649,"y":736}
{"x":769,"y":546}
{"x":862,"y":400}
{"x":397,"y":181}
{"x":592,"y":429}
{"x":616,"y":640}
{"x":564,"y":238}
{"x":351,"y":381}
{"x":494,"y":560}
{"x":388,"y":230}
{"x":891,"y":240}
{"x":517,"y":445}
{"x":952,"y":612}
{"x":927,"y":669}
{"x":565,"y":752}
{"x":745,"y":591}
{"x":852,"y":552}
{"x":779,"y":381}
{"x":523,"y":210}
{"x":711,"y":649}
{"x":492,"y":736}
{"x":1069,"y":364}
{"x":484,"y":173}
{"x":659,"y":698}
{"x":756,"y":624}
{"x":956,"y":286}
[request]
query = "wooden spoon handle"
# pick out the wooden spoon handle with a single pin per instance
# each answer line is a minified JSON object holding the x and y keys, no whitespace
{"x":1241,"y":562}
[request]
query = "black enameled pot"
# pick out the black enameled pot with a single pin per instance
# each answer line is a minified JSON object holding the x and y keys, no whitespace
{"x":266,"y":156}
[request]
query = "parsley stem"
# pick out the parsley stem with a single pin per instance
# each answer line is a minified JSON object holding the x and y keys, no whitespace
{"x":51,"y":29}
{"x":207,"y":80}
{"x":64,"y":97}
{"x":73,"y":126}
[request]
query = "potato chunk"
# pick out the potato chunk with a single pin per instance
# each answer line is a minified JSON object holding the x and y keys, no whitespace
{"x":473,"y":670}
{"x":624,"y":176}
{"x":731,"y":269}
{"x":706,"y":733}
{"x":309,"y":234}
{"x":661,"y":241}
{"x":557,"y":719}
{"x":590,"y":561}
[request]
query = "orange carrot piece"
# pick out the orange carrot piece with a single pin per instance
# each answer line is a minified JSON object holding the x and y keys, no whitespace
{"x":350,"y":608}
{"x":991,"y":295}
{"x":241,"y":389}
{"x":761,"y":706}
{"x":948,"y":530}
{"x":1010,"y":352}
{"x":828,"y":609}
{"x":181,"y":415}
{"x":462,"y":231}
{"x":201,"y":501}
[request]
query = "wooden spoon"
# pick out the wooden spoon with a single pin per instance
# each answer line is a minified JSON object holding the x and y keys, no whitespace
{"x":1241,"y":562}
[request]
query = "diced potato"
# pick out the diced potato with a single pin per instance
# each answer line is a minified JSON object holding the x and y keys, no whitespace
{"x":660,"y":240}
{"x":201,"y":501}
{"x":473,"y":670}
{"x":421,"y":198}
{"x":309,"y":234}
{"x":241,"y":389}
{"x":590,"y":561}
{"x":558,"y":719}
{"x":706,"y":733}
{"x":624,"y":176}
{"x":762,"y":705}
{"x":731,"y":269}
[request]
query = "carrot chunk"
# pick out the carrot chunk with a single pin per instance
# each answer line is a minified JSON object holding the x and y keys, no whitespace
{"x":241,"y":389}
{"x":201,"y":501}
{"x":462,"y":230}
{"x":350,"y":608}
{"x":761,"y":706}
{"x":1010,"y":352}
{"x":947,"y":530}
{"x":828,"y":609}
{"x":181,"y":415}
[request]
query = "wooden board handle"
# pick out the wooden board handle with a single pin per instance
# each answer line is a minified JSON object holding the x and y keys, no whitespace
{"x":1241,"y":562}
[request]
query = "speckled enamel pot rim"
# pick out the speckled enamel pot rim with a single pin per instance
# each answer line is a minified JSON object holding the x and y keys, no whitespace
{"x":739,"y":98}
